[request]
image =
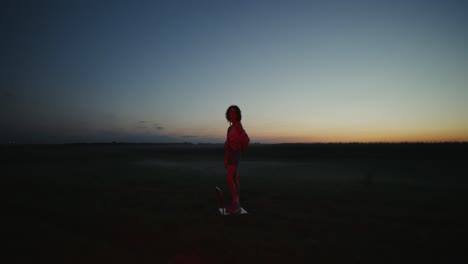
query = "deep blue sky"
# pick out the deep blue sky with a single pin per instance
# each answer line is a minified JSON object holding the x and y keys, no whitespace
{"x":301,"y":71}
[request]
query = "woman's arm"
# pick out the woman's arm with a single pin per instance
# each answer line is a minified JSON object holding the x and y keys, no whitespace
{"x":238,"y":139}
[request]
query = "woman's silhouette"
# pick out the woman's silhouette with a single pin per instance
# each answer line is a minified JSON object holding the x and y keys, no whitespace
{"x":237,"y":141}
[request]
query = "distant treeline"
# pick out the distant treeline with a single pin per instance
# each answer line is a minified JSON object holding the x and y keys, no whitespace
{"x":404,"y":150}
{"x":285,"y":151}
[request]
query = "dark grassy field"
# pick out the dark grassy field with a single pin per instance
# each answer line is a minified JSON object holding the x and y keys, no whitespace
{"x":150,"y":203}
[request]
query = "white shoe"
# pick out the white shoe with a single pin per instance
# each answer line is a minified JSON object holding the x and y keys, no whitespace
{"x":234,"y":208}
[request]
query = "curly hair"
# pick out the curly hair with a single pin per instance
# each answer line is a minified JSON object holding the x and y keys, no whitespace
{"x":239,"y":115}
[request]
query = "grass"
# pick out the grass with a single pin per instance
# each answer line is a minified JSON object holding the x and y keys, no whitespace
{"x":156,"y":204}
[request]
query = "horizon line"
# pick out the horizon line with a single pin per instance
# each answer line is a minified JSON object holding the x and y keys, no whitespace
{"x":253,"y":143}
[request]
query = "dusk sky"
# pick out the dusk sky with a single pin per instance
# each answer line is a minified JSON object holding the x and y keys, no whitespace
{"x":300,"y":71}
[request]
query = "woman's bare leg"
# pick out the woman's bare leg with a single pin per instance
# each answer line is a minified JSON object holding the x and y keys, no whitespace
{"x":233,"y":182}
{"x":236,"y":184}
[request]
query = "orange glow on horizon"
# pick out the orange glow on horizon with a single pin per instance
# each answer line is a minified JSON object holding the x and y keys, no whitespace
{"x":292,"y":133}
{"x":362,"y":136}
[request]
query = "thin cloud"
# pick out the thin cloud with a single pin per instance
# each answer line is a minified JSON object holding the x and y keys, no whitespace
{"x":142,"y":124}
{"x":157,"y":126}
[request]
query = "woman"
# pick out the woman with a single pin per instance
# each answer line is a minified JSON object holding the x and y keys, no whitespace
{"x":237,"y":141}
